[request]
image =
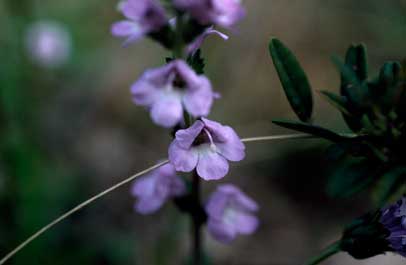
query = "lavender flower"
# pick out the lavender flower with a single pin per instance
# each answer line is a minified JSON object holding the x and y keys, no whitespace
{"x":195,"y":45}
{"x":143,"y":17}
{"x":221,"y":12}
{"x":169,"y":90}
{"x":231,"y":212}
{"x":206,"y":146}
{"x":156,"y":188}
{"x":48,"y":43}
{"x":394,"y":220}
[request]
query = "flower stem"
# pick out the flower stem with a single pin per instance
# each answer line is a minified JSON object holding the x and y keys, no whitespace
{"x":196,"y":222}
{"x":325,"y":254}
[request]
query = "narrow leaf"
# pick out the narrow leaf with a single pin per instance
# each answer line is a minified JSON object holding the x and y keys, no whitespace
{"x":310,"y":129}
{"x":293,"y":79}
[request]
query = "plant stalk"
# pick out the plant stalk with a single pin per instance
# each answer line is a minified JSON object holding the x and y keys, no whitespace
{"x":326,"y":253}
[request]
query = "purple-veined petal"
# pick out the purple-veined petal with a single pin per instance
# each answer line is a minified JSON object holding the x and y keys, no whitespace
{"x":211,"y":165}
{"x":167,"y":111}
{"x":184,"y":160}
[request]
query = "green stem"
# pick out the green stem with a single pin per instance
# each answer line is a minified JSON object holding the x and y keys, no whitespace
{"x":325,"y":254}
{"x":196,"y":223}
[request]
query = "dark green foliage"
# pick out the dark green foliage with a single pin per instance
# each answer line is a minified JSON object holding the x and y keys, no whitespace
{"x":196,"y":61}
{"x":293,"y":79}
{"x":374,"y":109}
{"x":165,"y":36}
{"x":365,"y":237}
{"x":350,"y":177}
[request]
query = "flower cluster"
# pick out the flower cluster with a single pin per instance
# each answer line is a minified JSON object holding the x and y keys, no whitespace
{"x":179,"y":96}
{"x":378,"y":232}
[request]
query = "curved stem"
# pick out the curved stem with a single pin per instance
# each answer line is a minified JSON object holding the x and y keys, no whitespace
{"x":77,"y":208}
{"x":118,"y":185}
{"x":325,"y":254}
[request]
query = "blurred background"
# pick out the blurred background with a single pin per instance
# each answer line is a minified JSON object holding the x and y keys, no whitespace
{"x":68,"y":129}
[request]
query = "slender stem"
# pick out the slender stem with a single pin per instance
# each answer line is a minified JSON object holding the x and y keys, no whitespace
{"x":278,"y":137}
{"x":77,"y":208}
{"x":196,"y":222}
{"x":325,"y":254}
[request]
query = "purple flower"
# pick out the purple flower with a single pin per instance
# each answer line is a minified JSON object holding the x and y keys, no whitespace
{"x":206,"y":146}
{"x":221,"y":12}
{"x":394,"y":220}
{"x":195,"y":45}
{"x":48,"y":43}
{"x":143,"y":17}
{"x":156,"y":188}
{"x":231,"y":212}
{"x":169,"y":90}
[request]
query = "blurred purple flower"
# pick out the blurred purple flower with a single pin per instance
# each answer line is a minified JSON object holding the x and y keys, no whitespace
{"x":219,"y":12}
{"x":195,"y":45}
{"x":206,"y":146}
{"x":156,"y":188}
{"x":394,"y":220}
{"x":231,"y":212}
{"x":169,"y":90}
{"x":143,"y":17}
{"x":48,"y":43}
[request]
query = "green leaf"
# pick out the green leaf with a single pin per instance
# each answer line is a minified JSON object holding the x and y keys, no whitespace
{"x":389,"y":184}
{"x":311,"y":129}
{"x":351,"y":86}
{"x":357,"y":58}
{"x":293,"y":79}
{"x":196,"y":61}
{"x":337,"y":101}
{"x":350,"y":177}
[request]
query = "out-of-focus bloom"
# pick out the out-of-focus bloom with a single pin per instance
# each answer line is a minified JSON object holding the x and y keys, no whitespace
{"x":170,"y":89}
{"x":230,"y":213}
{"x":156,"y":188}
{"x":220,"y":12}
{"x":48,"y":43}
{"x":394,"y":220}
{"x":206,"y":146}
{"x":143,"y":17}
{"x":197,"y":43}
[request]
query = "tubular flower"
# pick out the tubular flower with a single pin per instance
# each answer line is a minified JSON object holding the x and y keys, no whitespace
{"x":156,"y":188}
{"x":143,"y":17}
{"x":219,"y":12}
{"x":169,"y":90}
{"x":231,"y":212}
{"x":206,"y":146}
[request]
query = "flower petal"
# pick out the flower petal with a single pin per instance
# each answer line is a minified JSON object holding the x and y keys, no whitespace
{"x":220,"y":231}
{"x":246,"y":224}
{"x":197,"y":43}
{"x":185,"y":138}
{"x":226,"y":139}
{"x":149,"y":205}
{"x":126,"y":28}
{"x":167,"y":111}
{"x":211,"y":165}
{"x":198,"y":101}
{"x":183,"y":160}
